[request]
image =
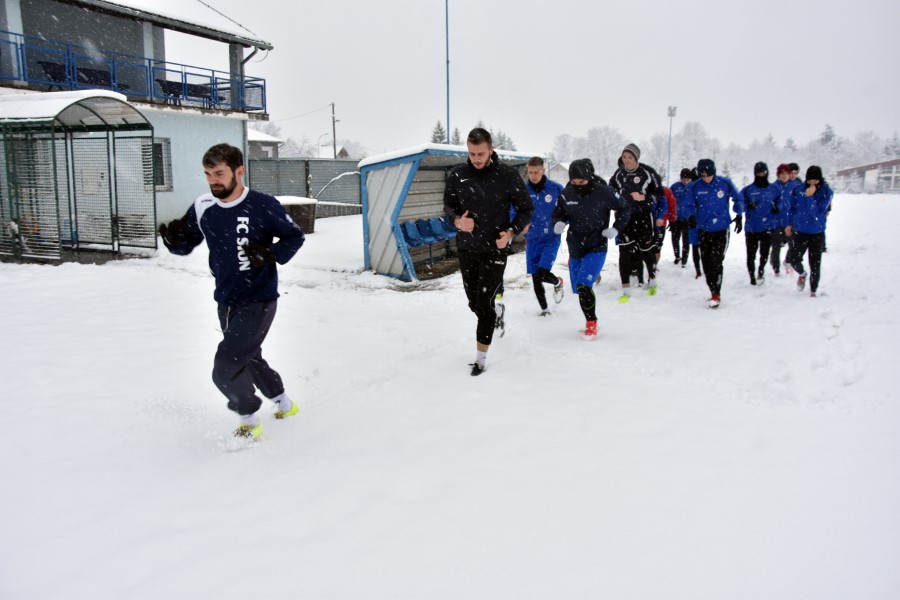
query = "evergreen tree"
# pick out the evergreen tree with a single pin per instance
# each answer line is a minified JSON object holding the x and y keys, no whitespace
{"x":456,"y":140}
{"x":438,"y":134}
{"x":892,"y":148}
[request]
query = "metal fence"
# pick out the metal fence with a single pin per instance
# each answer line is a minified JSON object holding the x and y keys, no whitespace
{"x":29,"y":211}
{"x":54,"y":65}
{"x":333,"y":182}
{"x":75,"y":191}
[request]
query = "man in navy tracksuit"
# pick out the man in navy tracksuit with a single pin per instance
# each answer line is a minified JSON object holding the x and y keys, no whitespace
{"x":477,"y":200}
{"x":585,"y":205}
{"x":708,"y":211}
{"x":763,"y":203}
{"x":239,"y":226}
{"x":542,"y":243}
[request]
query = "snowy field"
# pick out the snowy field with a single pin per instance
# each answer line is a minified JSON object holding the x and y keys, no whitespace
{"x":745,"y":453}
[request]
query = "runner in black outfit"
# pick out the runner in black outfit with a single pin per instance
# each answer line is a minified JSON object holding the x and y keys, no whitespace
{"x":641,"y":185}
{"x":477,"y":200}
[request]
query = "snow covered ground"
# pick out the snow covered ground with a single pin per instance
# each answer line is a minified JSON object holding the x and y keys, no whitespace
{"x":745,"y":453}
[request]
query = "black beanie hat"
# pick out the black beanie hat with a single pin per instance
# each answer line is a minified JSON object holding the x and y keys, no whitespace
{"x":814,"y":172}
{"x":581,"y":168}
{"x":706,"y":165}
{"x":760,"y":167}
{"x":685,"y":174}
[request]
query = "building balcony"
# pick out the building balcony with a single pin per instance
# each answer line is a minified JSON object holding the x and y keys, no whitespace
{"x":47,"y":65}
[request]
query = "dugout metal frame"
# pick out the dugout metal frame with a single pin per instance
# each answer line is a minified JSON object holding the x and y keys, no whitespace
{"x":77,"y":172}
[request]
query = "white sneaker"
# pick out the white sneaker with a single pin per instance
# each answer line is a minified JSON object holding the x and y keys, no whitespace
{"x":558,"y":291}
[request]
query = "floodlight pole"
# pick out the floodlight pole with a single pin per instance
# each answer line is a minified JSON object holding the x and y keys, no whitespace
{"x":447,"y":39}
{"x":672,"y":110}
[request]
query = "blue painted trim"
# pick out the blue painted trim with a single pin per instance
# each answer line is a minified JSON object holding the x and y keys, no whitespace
{"x":367,"y":258}
{"x":402,"y":246}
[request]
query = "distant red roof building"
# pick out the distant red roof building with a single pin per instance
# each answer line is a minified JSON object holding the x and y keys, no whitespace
{"x":880,"y":177}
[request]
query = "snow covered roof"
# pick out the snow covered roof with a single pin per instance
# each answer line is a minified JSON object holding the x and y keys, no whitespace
{"x":258,"y":136}
{"x":83,"y":109}
{"x":453,"y":151}
{"x":193,"y":17}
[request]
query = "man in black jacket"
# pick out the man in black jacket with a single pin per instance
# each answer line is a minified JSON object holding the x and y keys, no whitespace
{"x":641,"y":185}
{"x":477,"y":200}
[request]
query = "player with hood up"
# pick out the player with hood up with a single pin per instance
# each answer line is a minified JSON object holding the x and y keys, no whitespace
{"x":585,"y":205}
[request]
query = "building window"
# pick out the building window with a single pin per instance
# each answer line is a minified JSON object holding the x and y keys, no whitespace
{"x":157,"y":159}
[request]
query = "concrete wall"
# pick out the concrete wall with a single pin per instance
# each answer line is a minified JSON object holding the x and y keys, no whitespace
{"x":191,"y":136}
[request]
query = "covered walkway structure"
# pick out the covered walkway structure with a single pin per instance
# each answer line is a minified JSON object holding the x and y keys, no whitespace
{"x":77,"y":171}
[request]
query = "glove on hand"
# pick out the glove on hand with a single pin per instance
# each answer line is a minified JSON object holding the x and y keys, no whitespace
{"x":775,"y":210}
{"x":751,"y":205}
{"x":738,"y":224}
{"x":692,"y":222}
{"x":175,"y":232}
{"x":610,"y":232}
{"x":258,"y":255}
{"x":559,"y":227}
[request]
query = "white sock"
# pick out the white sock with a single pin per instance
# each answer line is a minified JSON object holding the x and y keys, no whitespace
{"x":282,"y":401}
{"x":251,"y":420}
{"x":480,"y":357}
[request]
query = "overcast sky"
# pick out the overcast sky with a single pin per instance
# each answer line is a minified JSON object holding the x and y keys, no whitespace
{"x":537,"y":69}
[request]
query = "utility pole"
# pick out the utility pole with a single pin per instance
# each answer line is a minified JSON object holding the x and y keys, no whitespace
{"x":672,"y":110}
{"x":447,"y":38}
{"x":333,"y":132}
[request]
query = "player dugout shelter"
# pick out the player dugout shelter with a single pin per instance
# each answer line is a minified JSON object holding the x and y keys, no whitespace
{"x":402,"y":189}
{"x":76,"y":171}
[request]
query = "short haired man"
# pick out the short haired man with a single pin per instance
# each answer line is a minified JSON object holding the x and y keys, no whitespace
{"x":542,"y":242}
{"x":239,"y":226}
{"x":477,"y":200}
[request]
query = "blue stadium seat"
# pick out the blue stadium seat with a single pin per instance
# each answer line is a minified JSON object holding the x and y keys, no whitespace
{"x":412,"y":235}
{"x":427,"y":232}
{"x":448,"y":226}
{"x":440,"y":225}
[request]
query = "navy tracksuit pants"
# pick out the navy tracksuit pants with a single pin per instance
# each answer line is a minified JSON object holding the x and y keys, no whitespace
{"x":239,"y":366}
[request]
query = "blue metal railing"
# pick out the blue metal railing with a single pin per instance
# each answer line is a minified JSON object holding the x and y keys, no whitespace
{"x":62,"y":66}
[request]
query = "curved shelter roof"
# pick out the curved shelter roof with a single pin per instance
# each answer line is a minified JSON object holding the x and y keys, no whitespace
{"x":87,"y":110}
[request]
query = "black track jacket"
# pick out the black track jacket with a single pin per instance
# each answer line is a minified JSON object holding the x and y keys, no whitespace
{"x":488,"y":194}
{"x":588,"y":216}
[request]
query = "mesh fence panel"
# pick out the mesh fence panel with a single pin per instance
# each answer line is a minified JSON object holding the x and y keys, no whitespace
{"x":335,"y":183}
{"x":135,"y":198}
{"x":281,"y":177}
{"x":92,"y":197}
{"x":30,"y":212}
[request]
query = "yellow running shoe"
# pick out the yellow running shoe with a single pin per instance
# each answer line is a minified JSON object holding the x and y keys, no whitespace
{"x":290,"y":413}
{"x":249,"y":431}
{"x":624,"y":298}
